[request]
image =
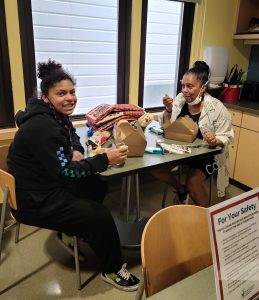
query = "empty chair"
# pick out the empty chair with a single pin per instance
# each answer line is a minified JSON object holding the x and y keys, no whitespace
{"x":175,"y":244}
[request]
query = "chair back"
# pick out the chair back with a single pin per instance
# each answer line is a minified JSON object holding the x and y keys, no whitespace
{"x":175,"y":244}
{"x":3,"y":157}
{"x":7,"y":181}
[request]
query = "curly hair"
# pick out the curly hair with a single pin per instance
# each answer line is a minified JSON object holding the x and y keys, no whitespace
{"x":50,"y":73}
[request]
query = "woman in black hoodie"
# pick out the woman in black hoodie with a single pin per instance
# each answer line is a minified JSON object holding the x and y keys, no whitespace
{"x":57,"y":188}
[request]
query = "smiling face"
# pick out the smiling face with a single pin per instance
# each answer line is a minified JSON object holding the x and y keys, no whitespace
{"x":62,"y":96}
{"x":191,"y":87}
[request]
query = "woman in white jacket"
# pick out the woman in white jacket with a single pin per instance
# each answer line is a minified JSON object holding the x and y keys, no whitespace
{"x":215,"y":128}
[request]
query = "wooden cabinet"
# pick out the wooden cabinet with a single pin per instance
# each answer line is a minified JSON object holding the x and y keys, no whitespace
{"x":243,"y":157}
{"x":250,"y":121}
{"x":247,"y":163}
{"x":236,"y":116}
{"x":233,"y":151}
{"x":236,"y":122}
{"x":246,"y":10}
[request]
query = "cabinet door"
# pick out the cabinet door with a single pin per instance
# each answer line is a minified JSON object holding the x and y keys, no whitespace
{"x":250,"y":121}
{"x":233,"y":151}
{"x":247,"y":162}
{"x":236,"y":116}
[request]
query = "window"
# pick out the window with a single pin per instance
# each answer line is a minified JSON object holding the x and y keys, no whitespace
{"x":89,"y":37}
{"x":6,"y":96}
{"x":166,"y":42}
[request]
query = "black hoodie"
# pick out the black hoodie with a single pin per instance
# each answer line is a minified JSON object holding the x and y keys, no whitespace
{"x":40,"y":155}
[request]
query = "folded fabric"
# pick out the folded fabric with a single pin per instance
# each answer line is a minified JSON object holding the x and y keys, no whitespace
{"x":109,"y":125}
{"x":104,"y":116}
{"x":102,"y":110}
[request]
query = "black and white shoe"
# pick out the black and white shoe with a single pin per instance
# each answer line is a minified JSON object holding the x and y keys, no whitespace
{"x":183,"y":196}
{"x":122,"y":280}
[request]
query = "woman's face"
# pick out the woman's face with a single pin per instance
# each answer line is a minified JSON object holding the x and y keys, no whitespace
{"x":191,"y":87}
{"x":62,"y":96}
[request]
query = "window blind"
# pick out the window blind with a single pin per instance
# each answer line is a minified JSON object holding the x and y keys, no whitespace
{"x":82,"y":35}
{"x":191,"y":1}
{"x":164,"y":24}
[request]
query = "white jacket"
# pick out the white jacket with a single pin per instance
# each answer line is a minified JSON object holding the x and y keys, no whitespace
{"x":217,"y":119}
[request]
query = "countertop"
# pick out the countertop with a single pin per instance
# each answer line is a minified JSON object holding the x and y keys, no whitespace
{"x":244,"y":106}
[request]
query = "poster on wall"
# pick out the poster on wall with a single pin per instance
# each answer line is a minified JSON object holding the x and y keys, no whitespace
{"x":234,"y":234}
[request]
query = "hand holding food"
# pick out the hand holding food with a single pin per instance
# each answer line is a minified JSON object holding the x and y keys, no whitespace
{"x":117,"y":156}
{"x":168,"y":103}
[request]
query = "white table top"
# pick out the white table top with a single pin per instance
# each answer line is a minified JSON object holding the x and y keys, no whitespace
{"x":199,"y":286}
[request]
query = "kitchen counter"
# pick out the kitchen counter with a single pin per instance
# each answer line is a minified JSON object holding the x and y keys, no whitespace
{"x":244,"y":106}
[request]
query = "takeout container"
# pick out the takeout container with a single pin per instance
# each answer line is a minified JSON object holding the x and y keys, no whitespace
{"x":131,"y":135}
{"x":184,"y":129}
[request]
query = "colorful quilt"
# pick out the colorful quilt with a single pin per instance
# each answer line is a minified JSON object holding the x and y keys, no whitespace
{"x":104,"y":116}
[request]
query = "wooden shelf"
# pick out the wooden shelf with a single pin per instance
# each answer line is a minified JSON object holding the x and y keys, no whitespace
{"x":246,"y":36}
{"x":246,"y":10}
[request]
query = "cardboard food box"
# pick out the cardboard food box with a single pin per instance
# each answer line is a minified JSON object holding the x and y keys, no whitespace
{"x":132,"y":136}
{"x":184,"y":129}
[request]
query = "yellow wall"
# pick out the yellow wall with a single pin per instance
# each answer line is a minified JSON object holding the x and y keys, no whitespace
{"x":13,"y":36}
{"x":135,"y":50}
{"x":213,"y":25}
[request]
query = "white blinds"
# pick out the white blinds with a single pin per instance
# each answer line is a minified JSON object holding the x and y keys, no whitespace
{"x":82,"y":35}
{"x":192,"y":1}
{"x":164,"y":28}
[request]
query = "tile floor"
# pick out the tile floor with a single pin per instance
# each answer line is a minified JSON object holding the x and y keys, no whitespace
{"x":38,"y":268}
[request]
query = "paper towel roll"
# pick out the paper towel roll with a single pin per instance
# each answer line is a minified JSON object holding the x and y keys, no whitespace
{"x":217,"y":59}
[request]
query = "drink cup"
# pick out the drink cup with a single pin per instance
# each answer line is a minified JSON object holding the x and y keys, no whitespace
{"x":124,"y":147}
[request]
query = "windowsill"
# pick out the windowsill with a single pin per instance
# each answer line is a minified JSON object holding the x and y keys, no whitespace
{"x":8,"y":133}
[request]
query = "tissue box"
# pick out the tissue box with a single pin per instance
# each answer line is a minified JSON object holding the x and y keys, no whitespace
{"x":184,"y":129}
{"x":131,"y":135}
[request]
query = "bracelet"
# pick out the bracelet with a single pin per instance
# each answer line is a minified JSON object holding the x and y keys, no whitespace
{"x":168,"y":110}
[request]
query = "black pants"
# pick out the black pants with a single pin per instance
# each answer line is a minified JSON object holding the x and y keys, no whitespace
{"x":76,"y":210}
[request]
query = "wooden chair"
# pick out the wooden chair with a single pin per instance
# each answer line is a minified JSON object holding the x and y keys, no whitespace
{"x":175,"y":244}
{"x":7,"y":184}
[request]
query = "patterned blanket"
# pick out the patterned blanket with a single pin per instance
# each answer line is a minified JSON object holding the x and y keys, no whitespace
{"x":104,"y":116}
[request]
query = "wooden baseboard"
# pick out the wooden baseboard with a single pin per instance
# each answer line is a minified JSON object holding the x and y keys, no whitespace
{"x":240,"y":185}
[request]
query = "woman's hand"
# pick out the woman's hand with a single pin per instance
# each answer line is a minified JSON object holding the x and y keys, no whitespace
{"x":116,"y":156}
{"x":210,"y":138}
{"x":168,"y":103}
{"x":77,"y":155}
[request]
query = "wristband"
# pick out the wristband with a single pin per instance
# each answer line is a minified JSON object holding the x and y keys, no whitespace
{"x":168,"y":110}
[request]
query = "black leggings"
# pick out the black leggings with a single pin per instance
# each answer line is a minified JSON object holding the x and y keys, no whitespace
{"x":76,"y":210}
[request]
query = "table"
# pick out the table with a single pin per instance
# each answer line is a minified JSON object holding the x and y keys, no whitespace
{"x":130,"y":231}
{"x":199,"y":286}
